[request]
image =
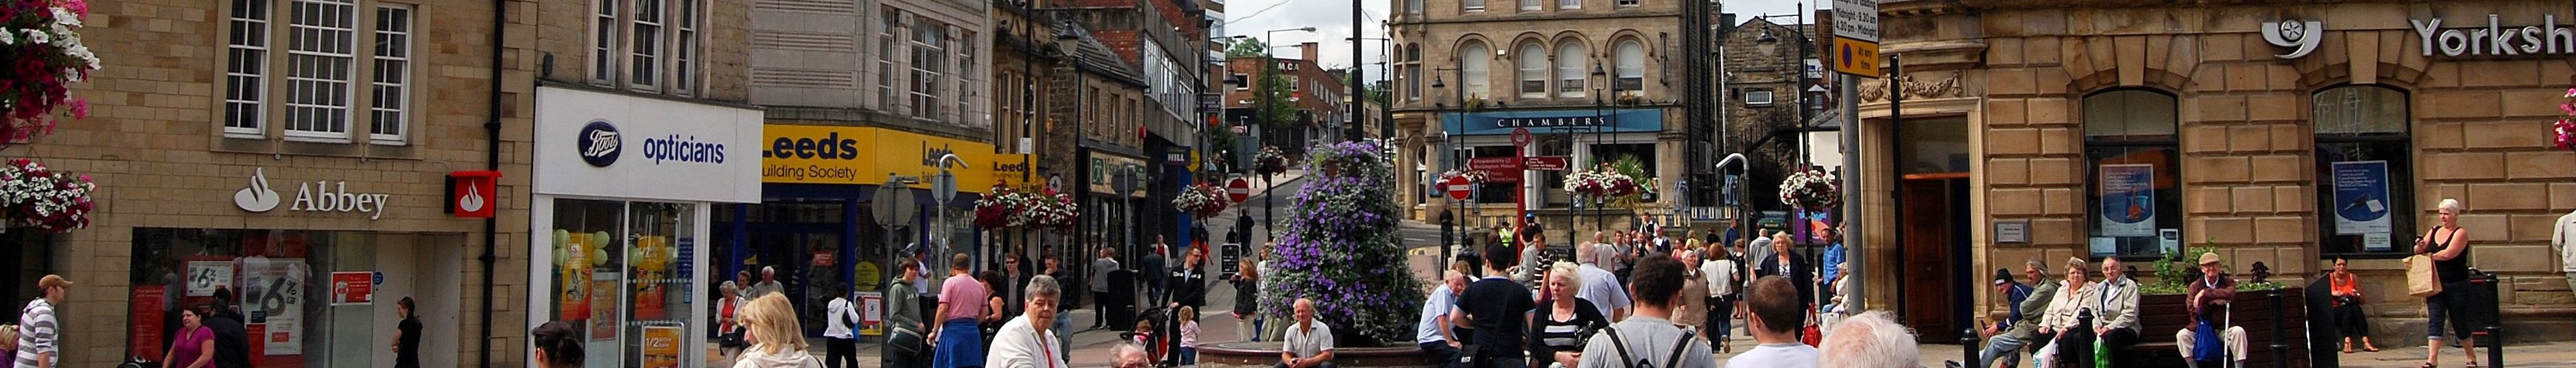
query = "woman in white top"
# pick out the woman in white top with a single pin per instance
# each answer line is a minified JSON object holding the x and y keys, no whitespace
{"x":2062,"y":313}
{"x":1028,"y":341}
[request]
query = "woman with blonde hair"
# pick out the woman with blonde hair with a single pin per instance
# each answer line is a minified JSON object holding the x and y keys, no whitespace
{"x":777,"y":341}
{"x":2448,"y":245}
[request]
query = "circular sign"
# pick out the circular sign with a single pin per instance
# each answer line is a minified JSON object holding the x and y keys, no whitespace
{"x":1459,"y":189}
{"x":598,"y":143}
{"x":1237,"y":190}
{"x":1521,"y":136}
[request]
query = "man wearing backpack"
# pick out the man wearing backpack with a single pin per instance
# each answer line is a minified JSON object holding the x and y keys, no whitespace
{"x":1649,"y":339}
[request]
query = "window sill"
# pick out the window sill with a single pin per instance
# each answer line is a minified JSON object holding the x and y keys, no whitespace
{"x":238,"y":135}
{"x":290,"y":137}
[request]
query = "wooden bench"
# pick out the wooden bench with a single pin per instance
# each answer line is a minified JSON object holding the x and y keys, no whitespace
{"x":2160,"y":315}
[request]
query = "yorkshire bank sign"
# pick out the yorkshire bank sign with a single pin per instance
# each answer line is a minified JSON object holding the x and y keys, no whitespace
{"x":2435,"y":37}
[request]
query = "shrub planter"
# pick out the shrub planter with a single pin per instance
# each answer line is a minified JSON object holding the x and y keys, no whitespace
{"x":1241,"y":354}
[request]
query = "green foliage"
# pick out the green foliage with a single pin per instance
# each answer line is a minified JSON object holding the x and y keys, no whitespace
{"x":2175,"y":271}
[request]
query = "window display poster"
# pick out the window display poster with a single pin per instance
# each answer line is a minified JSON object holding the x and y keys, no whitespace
{"x":204,"y":277}
{"x":148,"y":322}
{"x":273,"y":295}
{"x":2361,"y":197}
{"x":661,"y":347}
{"x":871,"y":313}
{"x":2376,"y":242}
{"x":603,"y":313}
{"x":2128,"y":200}
{"x":352,"y":288}
{"x":572,"y":263}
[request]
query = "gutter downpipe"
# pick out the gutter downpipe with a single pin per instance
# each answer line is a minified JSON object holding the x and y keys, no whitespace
{"x":492,"y":161}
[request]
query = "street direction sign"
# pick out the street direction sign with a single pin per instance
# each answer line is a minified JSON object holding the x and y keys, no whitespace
{"x":1856,"y":19}
{"x":1237,"y":190}
{"x":1459,"y":188}
{"x":1544,"y":163}
{"x":1496,"y":165}
{"x":1856,"y":57}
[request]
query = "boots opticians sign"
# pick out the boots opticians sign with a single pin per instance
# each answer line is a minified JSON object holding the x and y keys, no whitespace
{"x":2493,"y":38}
{"x":314,"y":196}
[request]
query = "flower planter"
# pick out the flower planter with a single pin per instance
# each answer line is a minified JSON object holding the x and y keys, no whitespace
{"x":2159,"y":315}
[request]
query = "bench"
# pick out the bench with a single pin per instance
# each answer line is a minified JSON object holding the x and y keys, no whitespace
{"x":2160,"y":315}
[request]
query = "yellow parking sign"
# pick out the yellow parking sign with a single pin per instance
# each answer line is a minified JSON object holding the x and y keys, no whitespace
{"x":1855,"y":57}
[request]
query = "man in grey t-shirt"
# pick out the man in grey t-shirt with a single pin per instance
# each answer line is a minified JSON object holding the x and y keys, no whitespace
{"x":1649,"y":337}
{"x":1100,"y":269}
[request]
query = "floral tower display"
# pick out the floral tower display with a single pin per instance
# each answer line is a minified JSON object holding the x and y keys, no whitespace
{"x":1341,"y":250}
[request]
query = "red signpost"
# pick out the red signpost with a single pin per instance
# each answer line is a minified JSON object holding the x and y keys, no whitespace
{"x":1459,"y":188}
{"x":1237,"y":190}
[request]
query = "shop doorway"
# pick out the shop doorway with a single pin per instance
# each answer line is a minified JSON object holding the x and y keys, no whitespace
{"x":1935,"y":210}
{"x":425,"y":268}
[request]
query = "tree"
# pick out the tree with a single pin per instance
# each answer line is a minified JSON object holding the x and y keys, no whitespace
{"x":1341,"y":250}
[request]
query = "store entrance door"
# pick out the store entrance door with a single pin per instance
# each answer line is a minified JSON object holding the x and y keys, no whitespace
{"x":809,"y":258}
{"x":1935,"y":207}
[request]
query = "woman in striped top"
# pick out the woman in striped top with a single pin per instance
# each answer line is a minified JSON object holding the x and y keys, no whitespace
{"x":1559,"y":327}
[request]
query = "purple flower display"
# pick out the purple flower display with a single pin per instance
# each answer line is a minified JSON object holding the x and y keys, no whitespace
{"x":1340,"y":247}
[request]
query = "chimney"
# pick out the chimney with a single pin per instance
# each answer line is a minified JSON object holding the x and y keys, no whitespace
{"x":1308,"y":50}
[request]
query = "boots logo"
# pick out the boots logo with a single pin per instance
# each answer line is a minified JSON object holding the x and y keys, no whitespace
{"x":258,"y":197}
{"x":316,"y":196}
{"x":2301,"y":37}
{"x":598,"y":144}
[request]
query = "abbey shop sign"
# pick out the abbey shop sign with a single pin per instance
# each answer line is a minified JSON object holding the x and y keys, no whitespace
{"x":313,"y":196}
{"x":2493,"y":39}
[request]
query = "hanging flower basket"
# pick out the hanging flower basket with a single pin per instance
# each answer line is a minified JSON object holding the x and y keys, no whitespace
{"x":1270,"y":161}
{"x":2566,"y":127}
{"x":1601,"y":182}
{"x":50,"y":201}
{"x":43,"y":54}
{"x":1201,"y":200}
{"x":1054,"y":211}
{"x":999,"y":208}
{"x":1473,"y":176}
{"x":1812,"y":190}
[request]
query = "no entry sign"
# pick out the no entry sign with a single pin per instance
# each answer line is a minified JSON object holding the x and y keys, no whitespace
{"x":1237,"y":190}
{"x":1459,"y":188}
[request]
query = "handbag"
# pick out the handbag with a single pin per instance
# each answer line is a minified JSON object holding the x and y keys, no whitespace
{"x":2421,"y":280}
{"x":731,"y":340}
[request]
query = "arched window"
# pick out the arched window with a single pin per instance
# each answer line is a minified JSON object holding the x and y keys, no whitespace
{"x":1475,"y":71}
{"x":1632,"y":67}
{"x":1572,"y":64}
{"x":1532,"y":61}
{"x":2130,"y":151}
{"x":2365,"y":174}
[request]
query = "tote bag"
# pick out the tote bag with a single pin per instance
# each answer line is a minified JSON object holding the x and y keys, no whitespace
{"x":2421,"y":280}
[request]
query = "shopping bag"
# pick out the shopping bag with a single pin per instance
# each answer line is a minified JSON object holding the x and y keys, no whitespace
{"x":2101,"y":353}
{"x":2421,"y":280}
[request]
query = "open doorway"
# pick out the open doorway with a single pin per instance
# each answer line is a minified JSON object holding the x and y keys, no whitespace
{"x":1932,"y":209}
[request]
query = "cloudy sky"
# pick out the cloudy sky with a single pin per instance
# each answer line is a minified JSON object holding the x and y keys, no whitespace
{"x":1255,"y":18}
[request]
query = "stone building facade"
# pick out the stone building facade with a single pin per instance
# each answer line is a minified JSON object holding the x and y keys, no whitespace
{"x":209,"y":161}
{"x":1765,"y":76}
{"x":2284,"y":133}
{"x":1602,"y":82}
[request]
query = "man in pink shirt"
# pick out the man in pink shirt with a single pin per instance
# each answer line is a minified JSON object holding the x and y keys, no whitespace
{"x":961,"y":303}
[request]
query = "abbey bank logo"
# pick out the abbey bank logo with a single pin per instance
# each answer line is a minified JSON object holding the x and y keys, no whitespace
{"x":2493,"y":39}
{"x":315,"y":196}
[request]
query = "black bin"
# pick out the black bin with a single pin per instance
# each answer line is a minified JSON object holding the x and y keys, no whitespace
{"x":1121,"y":305}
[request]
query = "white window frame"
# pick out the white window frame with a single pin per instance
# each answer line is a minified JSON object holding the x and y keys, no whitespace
{"x":1757,"y":97}
{"x":1569,"y":4}
{"x":962,"y":40}
{"x":308,"y":62}
{"x":1571,"y":77}
{"x":1530,"y":5}
{"x":927,"y":73}
{"x":644,"y":40}
{"x":889,"y":97}
{"x":1471,"y":5}
{"x":1629,"y":3}
{"x":1242,"y":82}
{"x":1629,"y":65}
{"x":1476,"y":71}
{"x":1531,"y":67}
{"x":247,"y":52}
{"x":392,"y":83}
{"x":684,"y":48}
{"x":604,"y":55}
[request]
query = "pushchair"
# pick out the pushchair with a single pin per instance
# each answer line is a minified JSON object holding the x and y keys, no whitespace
{"x":1164,"y":340}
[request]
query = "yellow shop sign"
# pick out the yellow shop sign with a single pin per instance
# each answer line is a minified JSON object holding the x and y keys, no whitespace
{"x":814,"y":154}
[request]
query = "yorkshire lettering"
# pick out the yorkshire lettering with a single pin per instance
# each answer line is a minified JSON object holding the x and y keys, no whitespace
{"x":683,"y":149}
{"x":2548,"y":38}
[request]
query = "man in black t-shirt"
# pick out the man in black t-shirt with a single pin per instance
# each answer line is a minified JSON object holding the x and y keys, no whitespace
{"x":1495,"y":303}
{"x":232,"y":339}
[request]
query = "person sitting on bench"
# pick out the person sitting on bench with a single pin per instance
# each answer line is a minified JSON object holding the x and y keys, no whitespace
{"x":2208,"y":298}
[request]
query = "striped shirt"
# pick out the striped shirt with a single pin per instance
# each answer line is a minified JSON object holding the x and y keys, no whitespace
{"x":36,"y":333}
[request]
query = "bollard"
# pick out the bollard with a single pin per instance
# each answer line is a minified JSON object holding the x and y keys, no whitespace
{"x":2083,"y":320}
{"x":2280,"y":341}
{"x":2485,"y":291}
{"x":1968,"y":348}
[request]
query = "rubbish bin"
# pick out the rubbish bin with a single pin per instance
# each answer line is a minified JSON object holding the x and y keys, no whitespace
{"x":1121,"y":305}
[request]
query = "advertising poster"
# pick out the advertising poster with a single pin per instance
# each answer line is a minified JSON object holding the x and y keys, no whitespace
{"x":148,"y":322}
{"x":206,"y":276}
{"x":603,"y":311}
{"x":2361,"y":197}
{"x":273,"y":295}
{"x":572,"y":265}
{"x":2128,"y":205}
{"x":872,"y":314}
{"x":661,"y":347}
{"x":352,"y":288}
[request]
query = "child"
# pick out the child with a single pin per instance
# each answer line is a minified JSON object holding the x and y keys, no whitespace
{"x":1144,"y":333}
{"x":8,"y":345}
{"x":1189,"y":352}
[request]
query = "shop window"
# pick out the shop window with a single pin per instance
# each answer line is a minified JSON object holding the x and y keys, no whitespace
{"x":2130,"y":155}
{"x":615,"y":276}
{"x":2365,"y":191}
{"x":279,"y":282}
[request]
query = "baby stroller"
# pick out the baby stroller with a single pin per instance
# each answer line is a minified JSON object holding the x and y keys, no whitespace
{"x":1163,"y":340}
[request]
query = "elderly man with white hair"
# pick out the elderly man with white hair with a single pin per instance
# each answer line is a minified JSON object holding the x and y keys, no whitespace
{"x":768,"y":284}
{"x":1308,"y":344}
{"x":1130,"y":355}
{"x":1869,"y":340}
{"x":1599,"y":285}
{"x":1432,"y":332}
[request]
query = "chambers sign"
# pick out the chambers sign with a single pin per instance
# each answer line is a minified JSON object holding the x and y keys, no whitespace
{"x":818,"y":154}
{"x":2435,"y":37}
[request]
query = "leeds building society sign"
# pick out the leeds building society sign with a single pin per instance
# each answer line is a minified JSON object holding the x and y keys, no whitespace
{"x":2492,"y":39}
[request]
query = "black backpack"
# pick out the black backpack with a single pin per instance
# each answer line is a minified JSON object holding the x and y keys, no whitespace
{"x":1680,"y":346}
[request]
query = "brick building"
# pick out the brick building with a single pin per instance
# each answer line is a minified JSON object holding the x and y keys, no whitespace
{"x":1314,"y":92}
{"x":2285,"y":133}
{"x":223,"y":133}
{"x":1604,"y":81}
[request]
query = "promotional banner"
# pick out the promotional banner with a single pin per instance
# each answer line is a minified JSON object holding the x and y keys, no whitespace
{"x":2128,"y":204}
{"x":603,"y":302}
{"x":872,"y":314}
{"x":273,"y":295}
{"x":661,"y":347}
{"x":148,"y":320}
{"x":206,"y":276}
{"x":2361,"y":197}
{"x":352,"y":288}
